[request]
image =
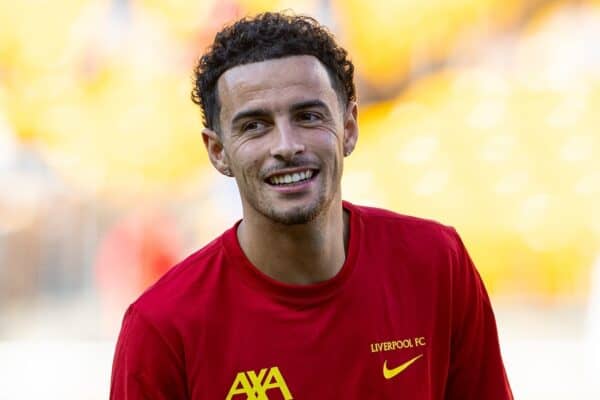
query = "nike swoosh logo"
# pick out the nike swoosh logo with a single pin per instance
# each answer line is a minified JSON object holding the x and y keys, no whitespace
{"x":390,"y":373}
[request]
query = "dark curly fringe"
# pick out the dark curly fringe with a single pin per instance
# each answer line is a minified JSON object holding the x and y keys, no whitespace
{"x":264,"y":37}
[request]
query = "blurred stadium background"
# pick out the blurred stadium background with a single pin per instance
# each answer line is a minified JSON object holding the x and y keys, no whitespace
{"x":483,"y":114}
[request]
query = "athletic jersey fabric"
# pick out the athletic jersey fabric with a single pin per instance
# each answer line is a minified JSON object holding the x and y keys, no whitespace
{"x":406,"y":317}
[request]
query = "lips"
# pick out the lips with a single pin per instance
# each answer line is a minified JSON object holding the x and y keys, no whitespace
{"x":291,"y":177}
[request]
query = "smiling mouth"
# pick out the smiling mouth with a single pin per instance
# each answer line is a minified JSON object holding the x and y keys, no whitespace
{"x":292,"y":178}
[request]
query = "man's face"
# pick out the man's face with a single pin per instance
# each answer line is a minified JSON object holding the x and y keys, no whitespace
{"x":283,"y":137}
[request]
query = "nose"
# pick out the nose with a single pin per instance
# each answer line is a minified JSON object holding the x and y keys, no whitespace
{"x":287,"y":143}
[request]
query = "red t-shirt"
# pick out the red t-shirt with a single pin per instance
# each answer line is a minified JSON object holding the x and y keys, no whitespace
{"x":407,"y":317}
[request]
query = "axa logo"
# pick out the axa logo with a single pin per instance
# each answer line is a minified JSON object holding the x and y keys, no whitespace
{"x":255,"y":386}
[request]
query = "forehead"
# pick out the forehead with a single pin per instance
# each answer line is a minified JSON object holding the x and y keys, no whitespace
{"x":273,"y":84}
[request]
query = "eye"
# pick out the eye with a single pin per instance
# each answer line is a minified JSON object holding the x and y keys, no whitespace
{"x":253,"y":126}
{"x":309,"y":116}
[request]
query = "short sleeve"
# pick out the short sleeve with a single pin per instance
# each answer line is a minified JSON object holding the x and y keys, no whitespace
{"x":476,"y":369}
{"x":145,"y":365}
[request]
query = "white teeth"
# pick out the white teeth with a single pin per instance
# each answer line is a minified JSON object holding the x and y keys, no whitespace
{"x":291,"y":178}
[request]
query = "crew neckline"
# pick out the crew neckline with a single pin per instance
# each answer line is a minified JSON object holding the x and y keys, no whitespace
{"x":303,"y":294}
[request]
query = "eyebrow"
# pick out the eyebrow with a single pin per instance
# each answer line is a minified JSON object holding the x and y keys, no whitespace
{"x":309,"y":104}
{"x":256,"y":112}
{"x":261,"y":112}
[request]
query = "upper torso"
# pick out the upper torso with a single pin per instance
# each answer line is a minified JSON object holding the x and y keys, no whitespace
{"x":238,"y":334}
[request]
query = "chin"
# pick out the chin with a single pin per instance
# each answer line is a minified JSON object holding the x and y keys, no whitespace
{"x":294,"y":218}
{"x":296,"y":215}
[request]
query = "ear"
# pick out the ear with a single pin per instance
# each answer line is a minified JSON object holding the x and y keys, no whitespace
{"x":350,"y":128}
{"x":216,"y":151}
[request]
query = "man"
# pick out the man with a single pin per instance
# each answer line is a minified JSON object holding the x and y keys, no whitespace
{"x":307,"y":297}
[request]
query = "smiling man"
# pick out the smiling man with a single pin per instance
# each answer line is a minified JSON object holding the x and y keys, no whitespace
{"x":308,"y":296}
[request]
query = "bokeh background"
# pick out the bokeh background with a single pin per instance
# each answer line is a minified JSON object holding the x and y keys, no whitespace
{"x":482,"y":114}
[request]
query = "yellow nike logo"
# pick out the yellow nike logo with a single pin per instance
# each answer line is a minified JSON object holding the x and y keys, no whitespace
{"x":390,"y":373}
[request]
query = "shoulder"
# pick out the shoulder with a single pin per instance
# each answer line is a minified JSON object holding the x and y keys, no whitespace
{"x":173,"y":310}
{"x":186,"y":283}
{"x":407,"y":230}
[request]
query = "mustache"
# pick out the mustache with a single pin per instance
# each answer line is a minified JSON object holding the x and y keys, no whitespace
{"x":300,"y":162}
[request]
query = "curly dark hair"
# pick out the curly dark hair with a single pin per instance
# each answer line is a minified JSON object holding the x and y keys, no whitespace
{"x":264,"y":37}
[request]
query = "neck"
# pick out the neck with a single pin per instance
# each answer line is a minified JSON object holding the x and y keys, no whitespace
{"x":297,"y":254}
